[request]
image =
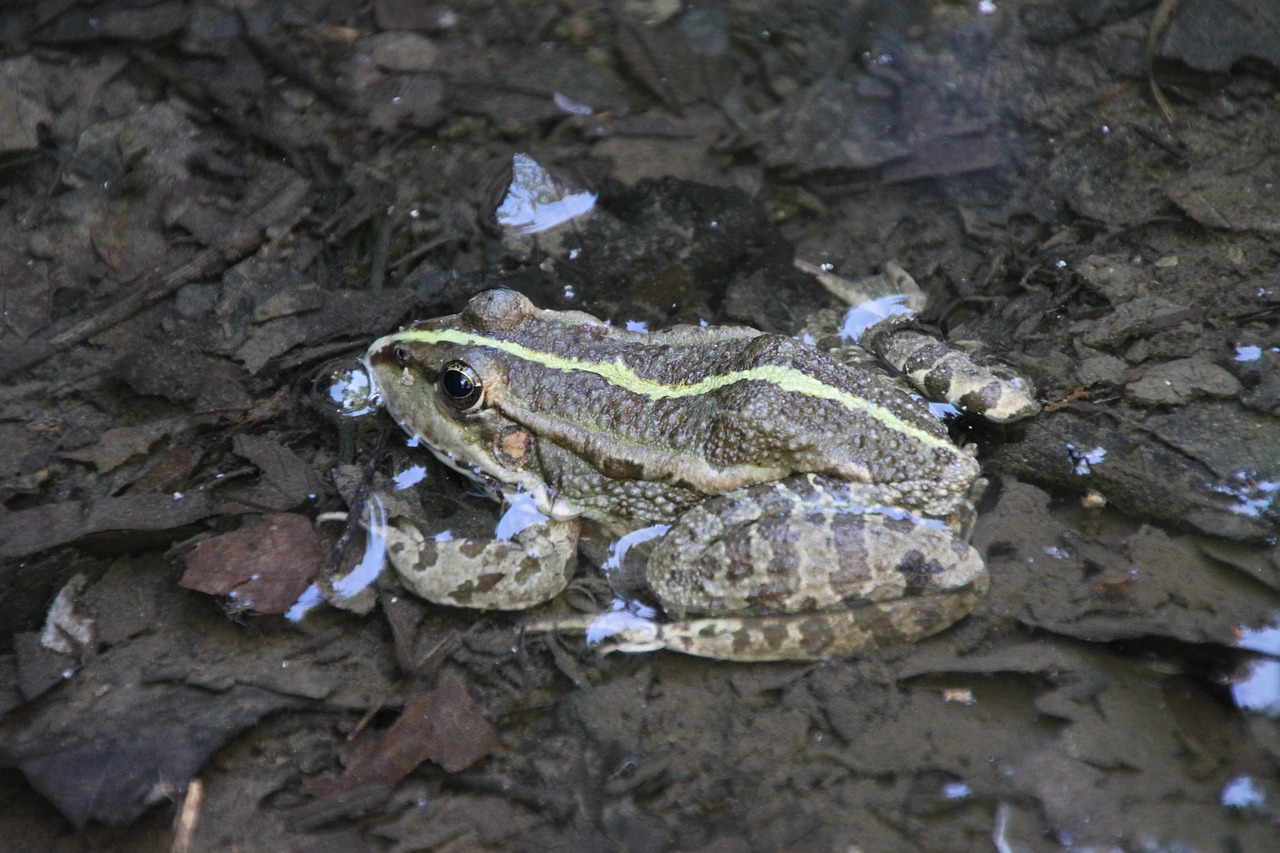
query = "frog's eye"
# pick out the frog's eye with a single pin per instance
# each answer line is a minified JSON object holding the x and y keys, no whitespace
{"x":401,"y":355}
{"x":460,"y":387}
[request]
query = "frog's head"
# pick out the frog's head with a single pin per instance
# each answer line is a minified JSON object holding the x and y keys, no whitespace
{"x":447,"y":382}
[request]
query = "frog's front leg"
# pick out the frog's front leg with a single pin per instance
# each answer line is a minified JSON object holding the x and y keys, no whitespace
{"x":529,"y":567}
{"x":797,"y":570}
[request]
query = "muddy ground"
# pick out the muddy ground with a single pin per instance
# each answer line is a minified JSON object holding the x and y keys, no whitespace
{"x":207,"y":206}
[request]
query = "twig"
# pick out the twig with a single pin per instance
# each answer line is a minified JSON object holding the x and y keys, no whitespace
{"x":184,"y":828}
{"x":284,"y":196}
{"x":1159,"y":23}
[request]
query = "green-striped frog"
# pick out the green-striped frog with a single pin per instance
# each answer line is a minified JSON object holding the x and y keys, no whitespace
{"x":798,"y":507}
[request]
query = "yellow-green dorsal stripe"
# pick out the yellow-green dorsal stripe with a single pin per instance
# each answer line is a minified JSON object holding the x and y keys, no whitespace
{"x":618,"y":373}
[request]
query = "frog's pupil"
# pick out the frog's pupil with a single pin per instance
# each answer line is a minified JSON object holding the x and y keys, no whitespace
{"x":457,"y":384}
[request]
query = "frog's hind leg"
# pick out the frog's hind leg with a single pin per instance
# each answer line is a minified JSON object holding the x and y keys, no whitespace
{"x":798,"y":570}
{"x":793,"y":636}
{"x":814,"y":636}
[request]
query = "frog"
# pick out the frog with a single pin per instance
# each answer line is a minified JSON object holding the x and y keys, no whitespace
{"x":792,"y":505}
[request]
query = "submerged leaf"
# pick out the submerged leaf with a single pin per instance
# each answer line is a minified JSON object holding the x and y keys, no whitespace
{"x":263,"y":566}
{"x":441,"y":725}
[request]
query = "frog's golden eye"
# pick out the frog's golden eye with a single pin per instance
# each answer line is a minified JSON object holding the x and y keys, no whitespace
{"x":460,"y":387}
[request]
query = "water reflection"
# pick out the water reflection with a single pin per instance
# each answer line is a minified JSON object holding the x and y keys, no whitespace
{"x":942,"y":411}
{"x":627,"y":626}
{"x":351,"y":390}
{"x":521,"y":513}
{"x":613,"y":564}
{"x":863,"y":316}
{"x":410,"y":477}
{"x":1084,"y":460}
{"x":361,"y":577}
{"x":1253,"y":497}
{"x":375,"y":553}
{"x":537,"y":201}
{"x":310,"y":599}
{"x":1243,"y":792}
{"x":1259,"y":689}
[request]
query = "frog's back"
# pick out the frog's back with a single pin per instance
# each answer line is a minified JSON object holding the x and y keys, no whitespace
{"x":826,"y":417}
{"x":745,"y":406}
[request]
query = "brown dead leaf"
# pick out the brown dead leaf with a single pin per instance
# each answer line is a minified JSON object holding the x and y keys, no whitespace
{"x":31,"y":531}
{"x":210,"y":384}
{"x":107,"y":237}
{"x":1071,"y":795}
{"x":127,"y":242}
{"x":412,"y":100}
{"x":404,"y":615}
{"x":188,"y":206}
{"x":263,"y":566}
{"x":1179,"y":381}
{"x":286,"y":303}
{"x":441,"y":725}
{"x":399,"y":52}
{"x":413,"y":15}
{"x":1232,"y":196}
{"x":24,"y":104}
{"x":644,"y":60}
{"x":1214,"y":35}
{"x":122,"y":444}
{"x":167,"y":472}
{"x":27,"y":290}
{"x":295,"y":312}
{"x":177,"y":683}
{"x":89,"y":23}
{"x":38,"y":668}
{"x":287,"y":479}
{"x":947,"y":152}
{"x":1216,"y":733}
{"x":829,"y":125}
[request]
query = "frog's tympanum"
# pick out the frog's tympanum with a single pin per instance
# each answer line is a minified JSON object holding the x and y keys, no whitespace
{"x":811,"y":508}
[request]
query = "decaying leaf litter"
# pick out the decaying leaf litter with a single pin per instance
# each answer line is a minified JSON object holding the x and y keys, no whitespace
{"x":206,"y":204}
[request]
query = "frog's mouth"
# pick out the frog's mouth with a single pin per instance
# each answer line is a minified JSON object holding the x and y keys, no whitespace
{"x":491,"y":486}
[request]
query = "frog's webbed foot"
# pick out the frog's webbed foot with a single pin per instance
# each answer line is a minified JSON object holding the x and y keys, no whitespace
{"x":941,"y":371}
{"x":886,"y":306}
{"x":619,"y":629}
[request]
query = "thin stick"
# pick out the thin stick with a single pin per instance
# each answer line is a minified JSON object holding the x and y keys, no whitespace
{"x":285,"y":198}
{"x":1159,"y":23}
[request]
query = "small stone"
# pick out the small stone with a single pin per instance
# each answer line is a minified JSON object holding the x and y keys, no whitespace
{"x":1177,"y":382}
{"x":1101,"y":370}
{"x":406,"y":53}
{"x":40,"y":246}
